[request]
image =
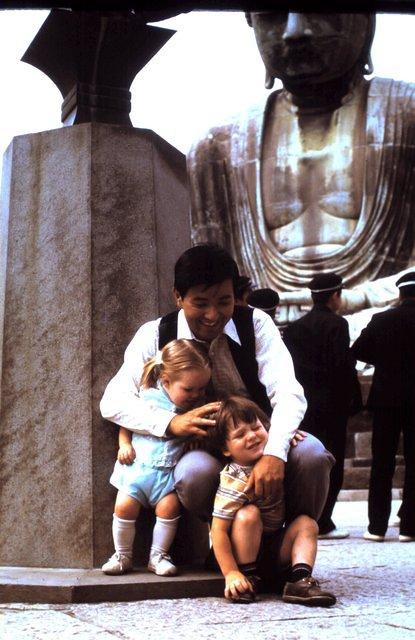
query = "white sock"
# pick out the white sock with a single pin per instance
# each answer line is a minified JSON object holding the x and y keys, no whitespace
{"x":163,"y":535}
{"x":123,"y":532}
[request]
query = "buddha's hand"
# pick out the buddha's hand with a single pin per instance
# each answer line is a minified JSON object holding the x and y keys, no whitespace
{"x":299,"y":297}
{"x":353,"y":300}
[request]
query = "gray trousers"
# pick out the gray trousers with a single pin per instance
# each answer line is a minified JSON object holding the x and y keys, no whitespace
{"x":307,"y":479}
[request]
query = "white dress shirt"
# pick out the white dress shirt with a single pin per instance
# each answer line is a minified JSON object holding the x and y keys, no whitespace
{"x":121,"y":402}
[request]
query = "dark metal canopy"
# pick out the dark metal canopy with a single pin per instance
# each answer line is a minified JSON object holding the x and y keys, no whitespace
{"x":93,"y":57}
{"x":174,"y":7}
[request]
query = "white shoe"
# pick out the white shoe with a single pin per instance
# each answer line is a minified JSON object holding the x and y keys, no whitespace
{"x":117,"y":565}
{"x":403,"y":538}
{"x":161,"y":565}
{"x":334,"y":534}
{"x":373,"y":537}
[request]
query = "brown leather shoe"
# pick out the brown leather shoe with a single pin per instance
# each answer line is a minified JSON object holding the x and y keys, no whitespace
{"x":307,"y":591}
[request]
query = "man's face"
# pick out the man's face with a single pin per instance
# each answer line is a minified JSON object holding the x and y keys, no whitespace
{"x":208,"y":309}
{"x":309,"y":48}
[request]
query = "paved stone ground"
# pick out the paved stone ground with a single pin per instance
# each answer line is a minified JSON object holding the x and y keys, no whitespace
{"x":374,"y":584}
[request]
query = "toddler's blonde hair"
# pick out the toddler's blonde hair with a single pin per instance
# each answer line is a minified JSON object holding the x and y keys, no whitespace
{"x":175,"y":358}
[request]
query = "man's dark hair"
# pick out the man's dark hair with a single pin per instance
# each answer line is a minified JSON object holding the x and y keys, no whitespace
{"x":323,"y":297}
{"x":266,"y":299}
{"x":407,"y":292}
{"x":323,"y":285}
{"x":204,"y":264}
{"x":243,"y":286}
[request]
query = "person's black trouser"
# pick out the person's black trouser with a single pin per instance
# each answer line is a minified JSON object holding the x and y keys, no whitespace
{"x":388,"y":422}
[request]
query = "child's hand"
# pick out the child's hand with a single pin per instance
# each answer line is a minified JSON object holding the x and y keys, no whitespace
{"x":126,"y":454}
{"x":235,"y":584}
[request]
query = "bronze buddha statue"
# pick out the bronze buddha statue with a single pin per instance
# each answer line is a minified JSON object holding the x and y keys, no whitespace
{"x":320,"y":178}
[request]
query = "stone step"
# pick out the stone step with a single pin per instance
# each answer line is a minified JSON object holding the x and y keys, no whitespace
{"x":367,"y":462}
{"x":359,"y":444}
{"x":358,"y":477}
{"x":362,"y":444}
{"x":362,"y":421}
{"x":361,"y":462}
{"x":351,"y":495}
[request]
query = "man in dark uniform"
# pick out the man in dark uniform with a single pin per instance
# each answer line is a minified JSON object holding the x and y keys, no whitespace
{"x":388,"y":342}
{"x":319,"y":345}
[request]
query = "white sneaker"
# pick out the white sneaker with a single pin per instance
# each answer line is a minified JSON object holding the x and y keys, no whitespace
{"x":373,"y":537}
{"x":334,"y":534}
{"x":403,"y":538}
{"x":162,"y":565}
{"x":117,"y":564}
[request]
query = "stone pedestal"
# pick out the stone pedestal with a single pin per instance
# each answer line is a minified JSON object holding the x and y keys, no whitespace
{"x":93,"y":218}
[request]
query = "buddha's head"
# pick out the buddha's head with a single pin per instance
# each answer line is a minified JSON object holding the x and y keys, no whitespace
{"x":308,"y":49}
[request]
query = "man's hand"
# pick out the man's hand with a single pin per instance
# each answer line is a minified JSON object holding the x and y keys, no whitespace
{"x":126,"y":454}
{"x":235,"y":584}
{"x":300,"y":297}
{"x":297,"y":437}
{"x":267,"y":477}
{"x":194,"y":422}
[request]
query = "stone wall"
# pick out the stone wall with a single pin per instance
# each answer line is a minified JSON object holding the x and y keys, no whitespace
{"x":94,"y":217}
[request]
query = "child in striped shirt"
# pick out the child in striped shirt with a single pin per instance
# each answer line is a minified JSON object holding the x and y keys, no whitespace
{"x":244,"y":524}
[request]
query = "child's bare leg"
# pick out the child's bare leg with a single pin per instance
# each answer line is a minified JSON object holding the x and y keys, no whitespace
{"x":167,"y":520}
{"x":299,"y":548}
{"x":169,"y":506}
{"x":299,"y":545}
{"x":123,"y":531}
{"x":246,"y":534}
{"x":126,"y":507}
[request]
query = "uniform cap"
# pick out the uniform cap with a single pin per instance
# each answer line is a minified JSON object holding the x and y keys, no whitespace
{"x":407,"y":280}
{"x":265,"y":299}
{"x":325,"y":282}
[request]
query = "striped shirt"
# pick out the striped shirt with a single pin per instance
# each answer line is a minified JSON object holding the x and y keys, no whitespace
{"x":232,"y":495}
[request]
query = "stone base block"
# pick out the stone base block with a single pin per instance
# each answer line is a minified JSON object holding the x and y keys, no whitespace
{"x":60,"y":586}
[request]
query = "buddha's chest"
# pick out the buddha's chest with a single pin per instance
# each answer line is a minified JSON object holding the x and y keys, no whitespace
{"x":312,"y":163}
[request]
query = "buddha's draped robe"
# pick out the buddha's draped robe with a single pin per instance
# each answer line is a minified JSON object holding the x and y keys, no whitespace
{"x":225,"y":179}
